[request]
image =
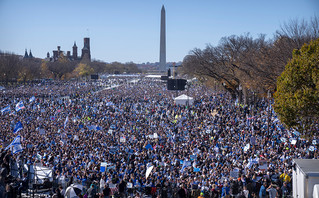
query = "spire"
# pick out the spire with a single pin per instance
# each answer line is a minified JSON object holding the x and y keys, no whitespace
{"x":162,"y":60}
{"x":26,"y":54}
{"x":30,"y":54}
{"x":74,"y":44}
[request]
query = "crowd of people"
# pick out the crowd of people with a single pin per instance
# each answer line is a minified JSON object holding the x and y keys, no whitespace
{"x":125,"y":137}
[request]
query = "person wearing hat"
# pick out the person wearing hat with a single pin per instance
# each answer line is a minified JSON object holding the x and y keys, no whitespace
{"x":201,"y":195}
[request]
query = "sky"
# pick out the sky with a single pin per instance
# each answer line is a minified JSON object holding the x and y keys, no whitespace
{"x":129,"y":30}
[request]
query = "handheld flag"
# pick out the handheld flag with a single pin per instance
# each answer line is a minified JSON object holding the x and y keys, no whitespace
{"x":19,"y":106}
{"x":148,"y":171}
{"x":185,"y":165}
{"x":66,"y":121}
{"x":32,"y":99}
{"x":15,"y":145}
{"x":6,"y":109}
{"x":17,"y":127}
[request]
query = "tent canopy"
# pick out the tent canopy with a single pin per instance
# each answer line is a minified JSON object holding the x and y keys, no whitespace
{"x":183,"y":99}
{"x":73,"y":191}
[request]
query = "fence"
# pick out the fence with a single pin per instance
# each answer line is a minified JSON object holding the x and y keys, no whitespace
{"x":39,"y":179}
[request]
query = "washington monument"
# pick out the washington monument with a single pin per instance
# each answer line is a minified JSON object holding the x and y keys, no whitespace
{"x":162,"y":60}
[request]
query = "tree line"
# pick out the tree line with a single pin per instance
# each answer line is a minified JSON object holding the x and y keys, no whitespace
{"x":247,"y":66}
{"x":15,"y":68}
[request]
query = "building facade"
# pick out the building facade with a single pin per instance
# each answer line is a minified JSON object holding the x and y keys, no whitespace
{"x":86,"y":53}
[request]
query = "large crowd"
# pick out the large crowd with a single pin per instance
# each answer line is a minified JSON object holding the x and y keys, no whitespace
{"x":104,"y":135}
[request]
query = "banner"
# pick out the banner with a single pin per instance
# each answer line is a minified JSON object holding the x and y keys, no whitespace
{"x":148,"y":171}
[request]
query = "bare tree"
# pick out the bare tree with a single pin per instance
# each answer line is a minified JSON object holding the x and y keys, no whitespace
{"x":253,"y":64}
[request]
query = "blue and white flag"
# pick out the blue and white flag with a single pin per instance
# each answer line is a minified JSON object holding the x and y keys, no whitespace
{"x":15,"y":145}
{"x":32,"y":99}
{"x":17,"y":127}
{"x":19,"y":106}
{"x":312,"y":148}
{"x":109,"y":104}
{"x":66,"y":121}
{"x":251,"y":162}
{"x":185,"y":165}
{"x":6,"y":109}
{"x":94,"y":127}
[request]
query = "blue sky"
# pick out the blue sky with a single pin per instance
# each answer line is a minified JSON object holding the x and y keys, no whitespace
{"x":128,"y":30}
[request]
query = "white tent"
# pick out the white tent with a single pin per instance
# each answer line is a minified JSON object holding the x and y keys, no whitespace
{"x":73,"y":191}
{"x":315,"y":193}
{"x":183,"y":100}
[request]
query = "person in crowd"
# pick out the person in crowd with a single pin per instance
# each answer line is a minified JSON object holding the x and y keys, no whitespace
{"x":272,"y":191}
{"x":262,"y":190}
{"x":73,"y":127}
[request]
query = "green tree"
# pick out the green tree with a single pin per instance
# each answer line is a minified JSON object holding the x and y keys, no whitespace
{"x":297,"y":96}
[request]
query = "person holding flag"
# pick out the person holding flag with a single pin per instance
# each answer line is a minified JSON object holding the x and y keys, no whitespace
{"x":66,"y":121}
{"x":6,"y":109}
{"x":32,"y":99}
{"x":15,"y":145}
{"x":20,"y":106}
{"x":17,"y":127}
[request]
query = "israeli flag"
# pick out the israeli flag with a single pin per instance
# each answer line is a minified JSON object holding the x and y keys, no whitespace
{"x":66,"y":121}
{"x":185,"y":165}
{"x":6,"y":109}
{"x":109,"y":104}
{"x":17,"y":127}
{"x":32,"y":99}
{"x":15,"y":145}
{"x":19,"y":106}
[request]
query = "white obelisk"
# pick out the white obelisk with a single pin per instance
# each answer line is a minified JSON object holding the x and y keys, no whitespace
{"x":162,"y":60}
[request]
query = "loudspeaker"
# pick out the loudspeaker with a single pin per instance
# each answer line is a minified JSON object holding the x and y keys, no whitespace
{"x":176,"y":84}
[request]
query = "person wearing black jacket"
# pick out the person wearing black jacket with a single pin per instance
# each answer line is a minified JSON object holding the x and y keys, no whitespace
{"x":122,"y":188}
{"x":106,"y":191}
{"x":91,"y":192}
{"x":181,"y":193}
{"x":234,"y":187}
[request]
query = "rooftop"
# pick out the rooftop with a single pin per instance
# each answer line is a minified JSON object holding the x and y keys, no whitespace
{"x":308,"y":166}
